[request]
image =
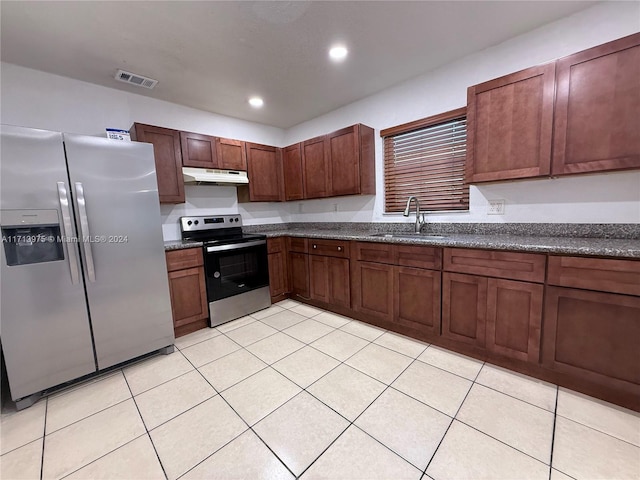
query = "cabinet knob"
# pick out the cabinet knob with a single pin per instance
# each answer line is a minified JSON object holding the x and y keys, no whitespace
{"x":339,"y":249}
{"x":315,"y":246}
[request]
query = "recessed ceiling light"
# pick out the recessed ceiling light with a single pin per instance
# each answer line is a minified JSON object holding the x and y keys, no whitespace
{"x":256,"y":102}
{"x":338,"y":53}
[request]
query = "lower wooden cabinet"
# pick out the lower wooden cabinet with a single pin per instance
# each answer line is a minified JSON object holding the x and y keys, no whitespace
{"x":277,"y":260}
{"x":187,"y":286}
{"x":329,"y":280}
{"x":593,"y":336}
{"x":417,"y":298}
{"x":464,"y":308}
{"x":299,"y":274}
{"x":514,"y":319}
{"x":373,"y":290}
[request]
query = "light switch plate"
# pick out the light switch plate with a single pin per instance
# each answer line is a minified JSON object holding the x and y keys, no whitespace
{"x":496,"y":207}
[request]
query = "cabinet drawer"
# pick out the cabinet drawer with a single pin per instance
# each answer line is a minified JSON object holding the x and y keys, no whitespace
{"x":375,"y":252}
{"x":512,"y":265}
{"x":329,"y":248}
{"x":606,"y":275}
{"x":298,"y":245}
{"x":186,"y":258}
{"x":275,"y":245}
{"x":418,"y":256}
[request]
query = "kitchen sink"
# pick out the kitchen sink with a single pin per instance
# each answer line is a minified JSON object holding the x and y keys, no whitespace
{"x":408,"y":235}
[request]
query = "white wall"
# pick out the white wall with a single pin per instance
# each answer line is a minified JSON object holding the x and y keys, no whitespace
{"x":36,"y":99}
{"x":40,"y":100}
{"x":608,"y":198}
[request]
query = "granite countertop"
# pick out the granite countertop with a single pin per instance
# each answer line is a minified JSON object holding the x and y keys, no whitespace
{"x":565,"y":244}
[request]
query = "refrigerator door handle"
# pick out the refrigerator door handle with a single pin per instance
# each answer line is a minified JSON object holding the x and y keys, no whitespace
{"x":68,"y":232}
{"x":84,"y":231}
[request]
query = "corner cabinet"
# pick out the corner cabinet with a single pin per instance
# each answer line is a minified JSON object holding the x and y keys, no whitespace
{"x":278,"y":278}
{"x":315,"y":166}
{"x":265,"y":173}
{"x":509,"y":126}
{"x":597,"y":119}
{"x":188,"y":290}
{"x":168,"y":158}
{"x":292,"y":172}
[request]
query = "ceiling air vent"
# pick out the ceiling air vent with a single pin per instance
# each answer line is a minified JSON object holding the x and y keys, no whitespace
{"x":132,"y":78}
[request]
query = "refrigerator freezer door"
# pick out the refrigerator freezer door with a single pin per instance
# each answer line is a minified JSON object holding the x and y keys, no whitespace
{"x":118,"y":215}
{"x":46,"y":337}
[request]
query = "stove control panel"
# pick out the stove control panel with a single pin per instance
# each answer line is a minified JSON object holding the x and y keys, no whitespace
{"x":213,"y":222}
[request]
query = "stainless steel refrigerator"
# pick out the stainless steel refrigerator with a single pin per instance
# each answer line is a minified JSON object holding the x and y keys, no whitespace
{"x":83,"y":280}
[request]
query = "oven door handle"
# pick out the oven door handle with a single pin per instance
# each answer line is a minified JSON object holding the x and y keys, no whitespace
{"x":235,"y":246}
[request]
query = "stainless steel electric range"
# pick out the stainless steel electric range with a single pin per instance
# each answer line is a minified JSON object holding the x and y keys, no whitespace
{"x":235,"y":264}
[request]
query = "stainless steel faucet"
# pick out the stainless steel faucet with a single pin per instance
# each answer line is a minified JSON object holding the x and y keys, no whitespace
{"x":419,"y":217}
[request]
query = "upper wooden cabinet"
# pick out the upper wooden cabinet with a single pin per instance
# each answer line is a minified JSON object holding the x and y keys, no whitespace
{"x":292,"y":172}
{"x":231,"y":154}
{"x":198,"y":150}
{"x":315,"y":166}
{"x":339,"y":163}
{"x":168,"y":157}
{"x":593,"y":118}
{"x":351,"y":161}
{"x":597,"y":118}
{"x":265,"y":173}
{"x":509,"y":126}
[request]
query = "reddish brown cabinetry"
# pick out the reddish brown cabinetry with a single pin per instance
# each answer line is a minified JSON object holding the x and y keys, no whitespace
{"x":265,"y":173}
{"x":292,"y":172}
{"x":597,"y":113}
{"x":504,"y":314}
{"x":509,"y":125}
{"x":278,"y":277}
{"x":329,"y":272}
{"x":198,"y":150}
{"x":298,"y":267}
{"x":387,"y":287}
{"x":315,"y":168}
{"x":351,"y":161}
{"x":231,"y":154}
{"x":188,"y":290}
{"x":591,"y":332}
{"x":168,"y":157}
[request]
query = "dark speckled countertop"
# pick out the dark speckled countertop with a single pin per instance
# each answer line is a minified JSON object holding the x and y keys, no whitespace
{"x":573,"y":241}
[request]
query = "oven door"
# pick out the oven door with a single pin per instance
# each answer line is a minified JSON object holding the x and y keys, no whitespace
{"x":235,"y":268}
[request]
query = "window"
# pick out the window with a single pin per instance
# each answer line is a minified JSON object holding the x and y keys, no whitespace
{"x":426,"y":158}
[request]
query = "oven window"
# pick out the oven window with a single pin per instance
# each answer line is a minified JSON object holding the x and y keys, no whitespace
{"x":238,"y":271}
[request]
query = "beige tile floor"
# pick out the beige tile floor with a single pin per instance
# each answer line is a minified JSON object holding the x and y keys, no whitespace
{"x":293,"y":391}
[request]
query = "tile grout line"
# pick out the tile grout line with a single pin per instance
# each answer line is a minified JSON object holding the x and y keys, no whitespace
{"x":145,"y":426}
{"x":44,"y":437}
{"x":553,"y":431}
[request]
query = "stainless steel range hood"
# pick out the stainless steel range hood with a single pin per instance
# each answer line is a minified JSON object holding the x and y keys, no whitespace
{"x":214,"y":176}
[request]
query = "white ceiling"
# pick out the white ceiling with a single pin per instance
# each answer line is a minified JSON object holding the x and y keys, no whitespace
{"x":214,"y":55}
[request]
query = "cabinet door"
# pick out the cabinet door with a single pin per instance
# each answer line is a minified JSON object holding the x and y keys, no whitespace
{"x":593,"y":336}
{"x":315,"y":168}
{"x":166,"y":149}
{"x":292,"y":167}
{"x":198,"y":150}
{"x":265,"y":171}
{"x":277,"y":274}
{"x":338,"y":279}
{"x":598,"y":109}
{"x":188,"y":296}
{"x":344,"y":158}
{"x":464,"y":308}
{"x":299,"y":274}
{"x":373,"y":290}
{"x":417,"y":299}
{"x":509,"y":126}
{"x":231,"y":154}
{"x":514,"y":318}
{"x":319,"y":278}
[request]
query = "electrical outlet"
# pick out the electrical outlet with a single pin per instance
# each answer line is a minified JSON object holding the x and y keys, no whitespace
{"x":496,"y":207}
{"x":300,"y":208}
{"x":335,"y":207}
